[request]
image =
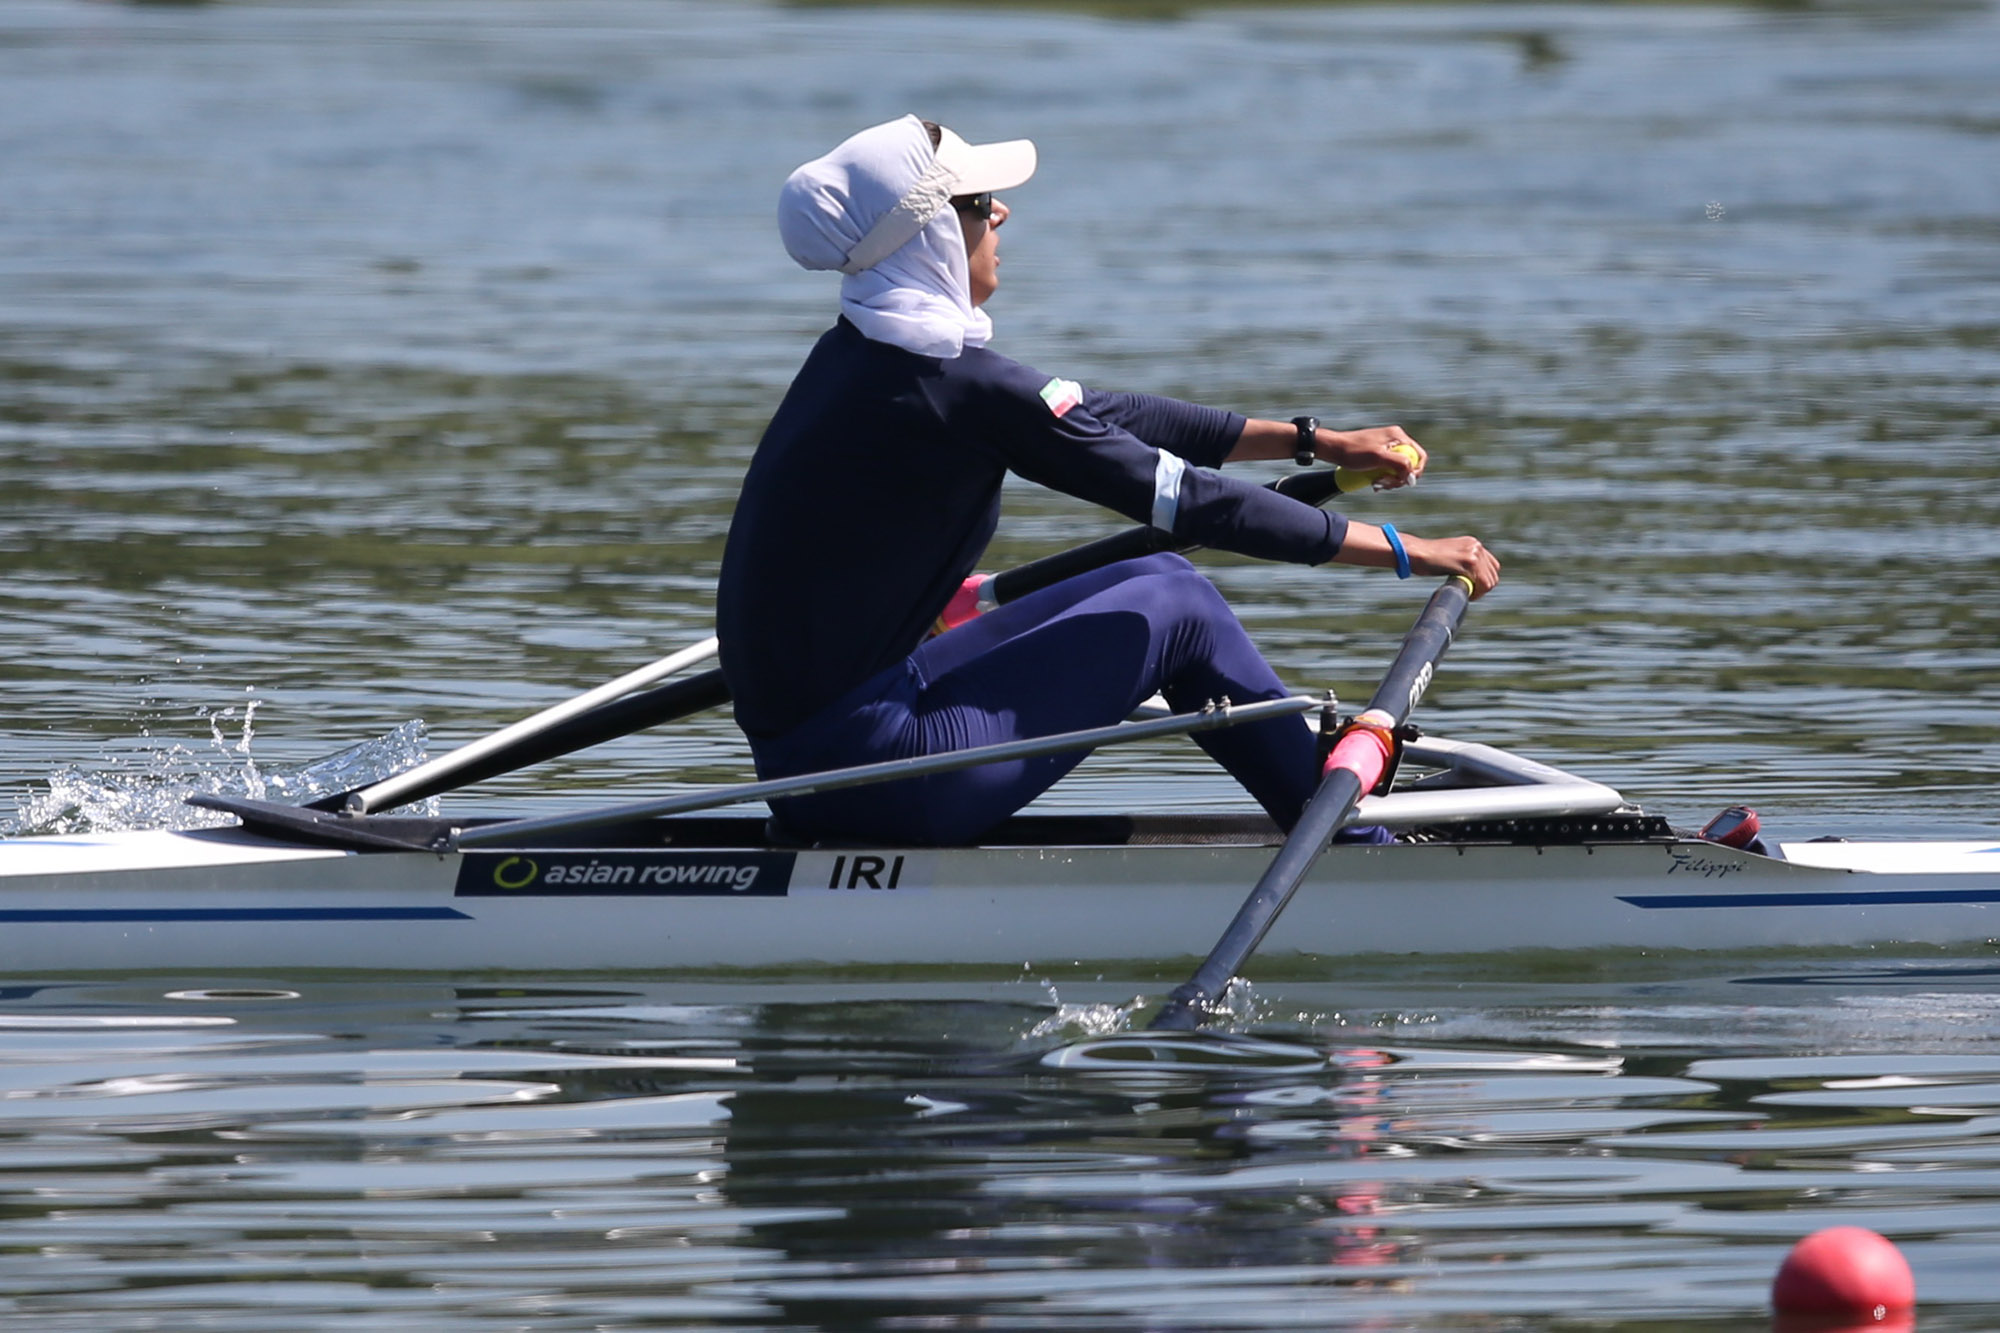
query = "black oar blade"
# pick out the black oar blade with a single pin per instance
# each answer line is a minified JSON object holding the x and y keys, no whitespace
{"x":1340,"y":792}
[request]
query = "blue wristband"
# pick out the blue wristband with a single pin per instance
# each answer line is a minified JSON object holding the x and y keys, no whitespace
{"x":1396,"y":545}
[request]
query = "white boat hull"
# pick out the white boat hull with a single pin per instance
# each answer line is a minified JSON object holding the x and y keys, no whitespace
{"x":231,"y":900}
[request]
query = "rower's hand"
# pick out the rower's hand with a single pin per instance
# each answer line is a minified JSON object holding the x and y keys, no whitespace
{"x":1388,"y":450}
{"x":1455,"y":555}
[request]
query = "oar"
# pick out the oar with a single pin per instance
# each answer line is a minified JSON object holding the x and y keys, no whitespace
{"x":449,"y":769}
{"x":623,"y":706}
{"x":1356,"y":764}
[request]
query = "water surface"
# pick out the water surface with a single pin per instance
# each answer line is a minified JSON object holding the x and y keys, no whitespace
{"x":363,"y":364}
{"x":1394,"y":1152}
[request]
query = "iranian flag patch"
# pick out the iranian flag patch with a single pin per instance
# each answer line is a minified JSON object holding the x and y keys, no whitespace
{"x":1062,"y":395}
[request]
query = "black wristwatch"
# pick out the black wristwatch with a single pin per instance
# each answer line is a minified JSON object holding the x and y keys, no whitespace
{"x":1308,"y":436}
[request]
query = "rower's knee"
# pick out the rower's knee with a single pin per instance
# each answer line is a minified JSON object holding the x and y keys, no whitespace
{"x":1190,"y":590}
{"x":1161,"y":564}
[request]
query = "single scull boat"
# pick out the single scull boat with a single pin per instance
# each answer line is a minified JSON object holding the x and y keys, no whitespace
{"x":1495,"y":852}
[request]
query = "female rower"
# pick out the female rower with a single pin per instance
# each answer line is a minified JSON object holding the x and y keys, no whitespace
{"x":877,"y":486}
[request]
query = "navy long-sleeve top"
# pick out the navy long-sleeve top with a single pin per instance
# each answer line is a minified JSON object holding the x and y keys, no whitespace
{"x":877,"y":486}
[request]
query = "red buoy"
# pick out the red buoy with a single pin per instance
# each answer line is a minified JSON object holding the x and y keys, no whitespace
{"x":1844,"y":1270}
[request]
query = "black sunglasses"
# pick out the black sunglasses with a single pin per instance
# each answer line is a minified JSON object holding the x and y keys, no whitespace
{"x":979,"y":205}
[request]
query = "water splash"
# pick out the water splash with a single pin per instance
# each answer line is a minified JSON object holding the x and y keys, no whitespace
{"x":150,"y":790}
{"x":1237,"y":1008}
{"x":1073,"y":1022}
{"x":358,"y":765}
{"x":1236,"y":1011}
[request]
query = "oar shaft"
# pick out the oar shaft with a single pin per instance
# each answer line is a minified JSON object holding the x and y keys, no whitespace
{"x":1340,"y":792}
{"x":448,"y":768}
{"x":1332,"y":807}
{"x":1410,"y":674}
{"x":606,"y":722}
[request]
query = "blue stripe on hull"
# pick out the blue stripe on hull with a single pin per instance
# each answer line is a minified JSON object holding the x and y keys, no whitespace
{"x":111,"y":914}
{"x":1882,"y":898}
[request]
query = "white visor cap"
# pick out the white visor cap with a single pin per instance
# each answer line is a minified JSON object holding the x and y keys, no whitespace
{"x":872,"y":195}
{"x":979,"y":167}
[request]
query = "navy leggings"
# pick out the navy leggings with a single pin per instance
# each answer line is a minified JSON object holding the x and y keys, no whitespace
{"x":1083,"y":653}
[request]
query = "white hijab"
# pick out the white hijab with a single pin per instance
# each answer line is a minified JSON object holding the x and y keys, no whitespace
{"x":884,"y":190}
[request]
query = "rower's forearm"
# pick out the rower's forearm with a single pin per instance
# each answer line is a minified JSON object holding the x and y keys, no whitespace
{"x":1366,"y":545}
{"x":1263,"y":440}
{"x":1386,"y":453}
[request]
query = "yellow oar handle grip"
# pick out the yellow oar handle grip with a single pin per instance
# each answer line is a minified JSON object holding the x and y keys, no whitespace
{"x":1350,"y":479}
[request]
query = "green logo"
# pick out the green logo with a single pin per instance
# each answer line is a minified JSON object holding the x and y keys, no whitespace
{"x":507,"y":876}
